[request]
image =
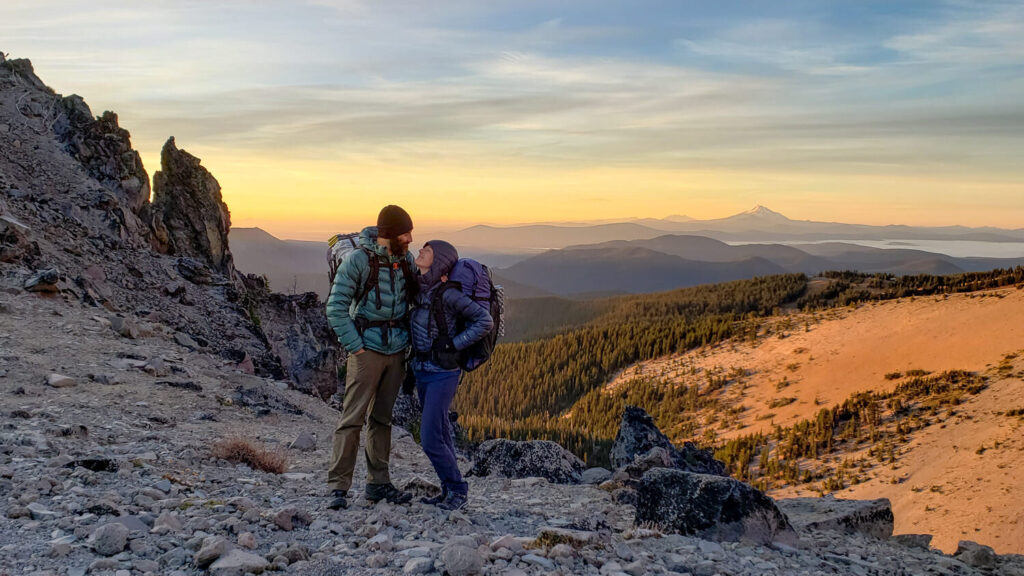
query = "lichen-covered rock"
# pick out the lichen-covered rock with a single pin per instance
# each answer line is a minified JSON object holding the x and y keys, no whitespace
{"x":871,"y":517}
{"x":638,"y":435}
{"x":188,"y":216}
{"x":537,"y":458}
{"x":710,"y":507}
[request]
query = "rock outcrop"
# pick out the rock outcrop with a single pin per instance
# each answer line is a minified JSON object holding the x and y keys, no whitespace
{"x":537,"y":458}
{"x":75,"y":222}
{"x":105,"y":150}
{"x":710,"y":507}
{"x":188,"y":216}
{"x":297,"y":333}
{"x":638,"y":435}
{"x":871,"y":517}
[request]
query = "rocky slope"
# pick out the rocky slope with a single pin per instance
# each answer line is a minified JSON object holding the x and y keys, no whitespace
{"x":125,"y":358}
{"x":124,"y":440}
{"x":74,"y":203}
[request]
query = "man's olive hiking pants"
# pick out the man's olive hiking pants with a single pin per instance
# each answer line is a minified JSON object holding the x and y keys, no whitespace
{"x":372,"y":383}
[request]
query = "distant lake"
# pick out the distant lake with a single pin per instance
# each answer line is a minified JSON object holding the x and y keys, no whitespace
{"x":955,"y":248}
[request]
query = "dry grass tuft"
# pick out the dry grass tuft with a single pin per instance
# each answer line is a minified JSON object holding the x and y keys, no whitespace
{"x":242,"y":451}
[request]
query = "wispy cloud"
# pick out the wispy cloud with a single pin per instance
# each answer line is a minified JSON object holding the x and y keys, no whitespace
{"x":926,"y":90}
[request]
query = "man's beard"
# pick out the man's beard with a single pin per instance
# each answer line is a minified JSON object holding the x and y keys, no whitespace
{"x":397,"y":247}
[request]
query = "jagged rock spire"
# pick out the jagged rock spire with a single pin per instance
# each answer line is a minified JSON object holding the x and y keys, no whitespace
{"x":189,"y":218}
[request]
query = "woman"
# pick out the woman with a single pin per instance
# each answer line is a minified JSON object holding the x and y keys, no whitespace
{"x":435,"y":362}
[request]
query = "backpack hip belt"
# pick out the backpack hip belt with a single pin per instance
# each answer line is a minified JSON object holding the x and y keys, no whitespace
{"x":363,"y":324}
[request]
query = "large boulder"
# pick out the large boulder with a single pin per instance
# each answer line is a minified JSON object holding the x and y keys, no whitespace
{"x":638,"y":436}
{"x":536,"y":458}
{"x":188,"y":216}
{"x":871,"y":517}
{"x":710,"y":507}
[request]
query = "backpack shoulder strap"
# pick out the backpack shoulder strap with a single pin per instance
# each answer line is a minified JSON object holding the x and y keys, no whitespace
{"x":437,"y":311}
{"x":372,"y":277}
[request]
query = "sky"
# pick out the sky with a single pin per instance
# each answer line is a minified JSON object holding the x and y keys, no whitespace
{"x":312,"y":114}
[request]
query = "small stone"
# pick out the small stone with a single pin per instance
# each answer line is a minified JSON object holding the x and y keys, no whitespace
{"x":461,"y":560}
{"x":237,"y":563}
{"x":109,"y":539}
{"x":561,"y":551}
{"x":61,"y":547}
{"x":59,"y":380}
{"x":288,"y":518}
{"x":595,"y":475}
{"x":174,"y":557}
{"x":213,"y":547}
{"x":126,"y":327}
{"x":101,"y":564}
{"x":418,"y":566}
{"x":305,"y":442}
{"x":539,"y":561}
{"x":156,"y":367}
{"x":164,"y":486}
{"x":45,"y":281}
{"x":623,"y":551}
{"x":507,"y":541}
{"x":381,"y":542}
{"x":185,"y":340}
{"x":637,"y":568}
{"x":40,"y":512}
{"x":247,"y":540}
{"x":167,"y":523}
{"x":145,"y":566}
{"x":18,"y":512}
{"x":377,"y":561}
{"x":676,"y":563}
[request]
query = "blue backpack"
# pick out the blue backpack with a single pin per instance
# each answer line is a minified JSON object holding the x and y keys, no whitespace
{"x":474,"y":280}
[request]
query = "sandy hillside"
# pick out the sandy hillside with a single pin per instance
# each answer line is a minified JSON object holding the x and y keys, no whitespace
{"x":943,"y":487}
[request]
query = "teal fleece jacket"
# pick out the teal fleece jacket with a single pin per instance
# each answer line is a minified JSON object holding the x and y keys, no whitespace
{"x":351,"y":276}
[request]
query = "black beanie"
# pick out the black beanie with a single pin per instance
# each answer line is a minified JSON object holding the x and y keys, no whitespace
{"x":392,"y":222}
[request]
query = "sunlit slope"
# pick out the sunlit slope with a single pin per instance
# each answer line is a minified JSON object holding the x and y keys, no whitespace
{"x":958,"y":478}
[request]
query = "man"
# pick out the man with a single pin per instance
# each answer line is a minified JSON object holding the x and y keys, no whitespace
{"x":368,"y":310}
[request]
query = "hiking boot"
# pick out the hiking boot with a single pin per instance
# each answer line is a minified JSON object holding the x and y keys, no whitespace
{"x":435,"y":500}
{"x":338,"y":501}
{"x":377,"y":492}
{"x":454,"y":501}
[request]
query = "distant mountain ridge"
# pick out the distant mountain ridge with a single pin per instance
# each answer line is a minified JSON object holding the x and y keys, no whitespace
{"x":636,"y":264}
{"x":759,"y":224}
{"x":677,"y":261}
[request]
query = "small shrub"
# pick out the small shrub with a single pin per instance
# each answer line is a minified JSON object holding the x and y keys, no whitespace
{"x":894,"y":376}
{"x":242,"y":451}
{"x":1015,"y":412}
{"x":780,"y":402}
